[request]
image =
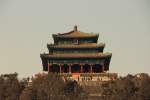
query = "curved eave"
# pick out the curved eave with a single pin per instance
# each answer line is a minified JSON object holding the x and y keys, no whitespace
{"x":107,"y":63}
{"x":51,"y":46}
{"x":45,"y":57}
{"x":62,"y":56}
{"x":81,"y":35}
{"x":44,"y":63}
{"x":91,"y":36}
{"x":57,"y":37}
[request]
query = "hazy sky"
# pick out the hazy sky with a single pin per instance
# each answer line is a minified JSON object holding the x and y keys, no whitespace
{"x":26,"y":27}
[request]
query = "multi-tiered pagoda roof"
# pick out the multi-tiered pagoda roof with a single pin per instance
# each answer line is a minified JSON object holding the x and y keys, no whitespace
{"x":76,"y":52}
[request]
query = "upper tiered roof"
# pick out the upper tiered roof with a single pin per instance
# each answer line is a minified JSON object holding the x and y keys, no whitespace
{"x":75,"y":34}
{"x":85,"y":45}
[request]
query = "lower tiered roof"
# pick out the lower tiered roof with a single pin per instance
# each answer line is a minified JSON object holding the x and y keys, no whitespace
{"x":91,"y":55}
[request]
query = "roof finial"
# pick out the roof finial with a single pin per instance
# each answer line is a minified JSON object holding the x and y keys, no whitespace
{"x":75,"y":28}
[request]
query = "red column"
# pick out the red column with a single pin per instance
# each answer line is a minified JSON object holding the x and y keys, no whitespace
{"x":81,"y":68}
{"x":59,"y":68}
{"x":91,"y":68}
{"x":69,"y":68}
{"x":49,"y":67}
{"x":102,"y":68}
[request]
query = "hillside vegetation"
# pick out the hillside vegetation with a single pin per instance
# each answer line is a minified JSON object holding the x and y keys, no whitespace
{"x":53,"y":87}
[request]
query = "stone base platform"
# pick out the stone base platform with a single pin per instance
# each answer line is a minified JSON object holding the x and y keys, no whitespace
{"x":90,"y":76}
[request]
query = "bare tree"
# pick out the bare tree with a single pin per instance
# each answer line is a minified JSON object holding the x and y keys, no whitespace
{"x":10,"y":87}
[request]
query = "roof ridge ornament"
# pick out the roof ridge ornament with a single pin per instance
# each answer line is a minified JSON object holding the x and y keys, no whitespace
{"x":75,"y":28}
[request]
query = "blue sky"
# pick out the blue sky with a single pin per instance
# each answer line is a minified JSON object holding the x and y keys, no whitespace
{"x":26,"y":27}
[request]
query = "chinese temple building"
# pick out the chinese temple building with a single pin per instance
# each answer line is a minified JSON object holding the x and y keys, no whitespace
{"x":76,"y":53}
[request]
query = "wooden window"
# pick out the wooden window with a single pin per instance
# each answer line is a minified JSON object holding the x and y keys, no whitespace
{"x":75,"y":41}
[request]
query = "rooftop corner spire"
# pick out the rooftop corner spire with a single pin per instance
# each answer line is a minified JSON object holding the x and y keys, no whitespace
{"x":75,"y":28}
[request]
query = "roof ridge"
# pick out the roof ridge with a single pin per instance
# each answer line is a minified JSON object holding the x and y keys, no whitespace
{"x":66,"y":33}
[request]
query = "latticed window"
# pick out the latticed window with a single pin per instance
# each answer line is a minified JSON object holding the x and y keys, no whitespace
{"x":75,"y":41}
